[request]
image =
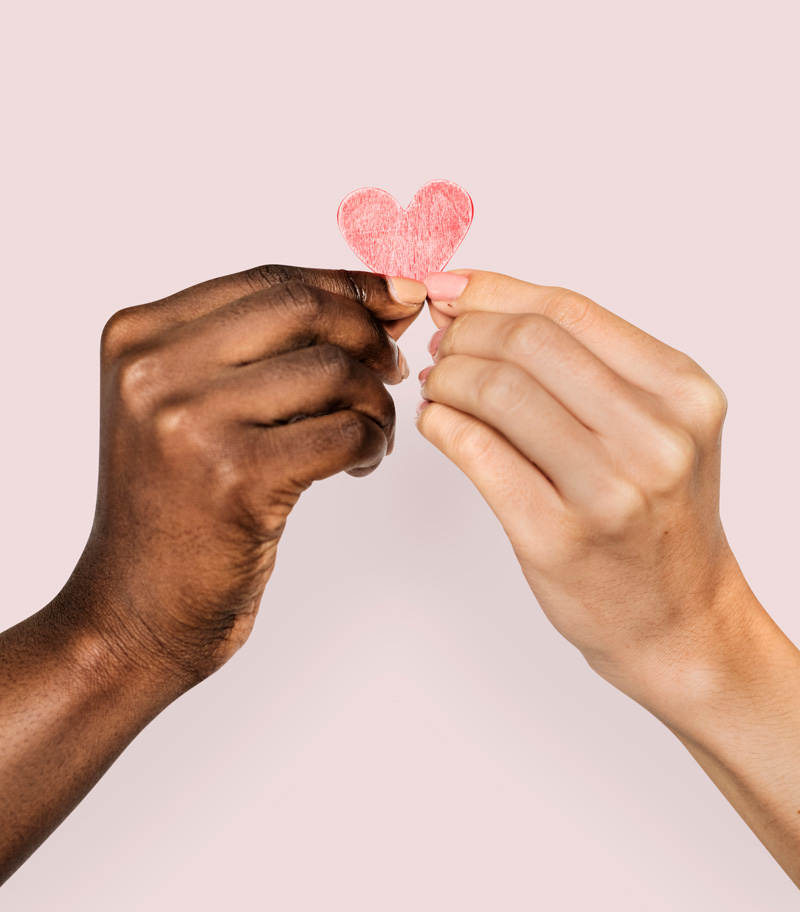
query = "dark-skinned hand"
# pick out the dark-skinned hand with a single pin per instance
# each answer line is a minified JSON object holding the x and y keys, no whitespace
{"x":220,"y":405}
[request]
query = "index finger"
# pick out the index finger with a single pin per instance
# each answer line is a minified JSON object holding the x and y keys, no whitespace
{"x":395,"y":301}
{"x":628,"y":350}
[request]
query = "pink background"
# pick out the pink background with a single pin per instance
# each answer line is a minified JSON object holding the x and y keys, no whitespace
{"x":404,"y":729}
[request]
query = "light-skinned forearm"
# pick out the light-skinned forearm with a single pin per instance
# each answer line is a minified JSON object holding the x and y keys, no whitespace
{"x":738,"y":713}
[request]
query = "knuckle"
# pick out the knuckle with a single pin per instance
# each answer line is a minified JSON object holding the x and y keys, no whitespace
{"x":618,"y":508}
{"x":381,"y":407}
{"x":389,"y":417}
{"x":180,"y":431}
{"x":303,"y":301}
{"x":388,"y":420}
{"x":192,"y":445}
{"x":118,"y":333}
{"x":332,"y":361}
{"x":451,"y":339}
{"x":502,"y":388}
{"x":378,"y":346}
{"x":491,"y":287}
{"x":138,"y":380}
{"x":352,"y":284}
{"x":475,"y":443}
{"x":352,"y":429}
{"x":569,"y":309}
{"x":266,"y":276}
{"x":708,"y":402}
{"x":528,"y":335}
{"x":676,"y":456}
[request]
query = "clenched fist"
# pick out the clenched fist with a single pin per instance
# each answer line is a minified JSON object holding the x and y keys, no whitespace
{"x":220,"y":406}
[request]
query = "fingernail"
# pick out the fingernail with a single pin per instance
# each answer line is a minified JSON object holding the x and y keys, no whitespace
{"x":403,"y":365}
{"x":433,"y":345}
{"x":445,"y":286}
{"x":406,"y":291}
{"x":421,"y":406}
{"x":399,"y":357}
{"x":424,"y":373}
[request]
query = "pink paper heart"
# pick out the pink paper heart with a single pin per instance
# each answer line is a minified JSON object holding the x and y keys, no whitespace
{"x":412,"y":242}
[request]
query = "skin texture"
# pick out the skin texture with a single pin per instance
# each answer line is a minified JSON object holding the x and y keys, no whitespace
{"x":219,"y":406}
{"x":598,"y":449}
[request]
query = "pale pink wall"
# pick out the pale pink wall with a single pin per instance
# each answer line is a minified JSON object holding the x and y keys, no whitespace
{"x":404,"y":731}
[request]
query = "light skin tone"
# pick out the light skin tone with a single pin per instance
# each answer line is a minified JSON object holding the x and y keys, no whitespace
{"x":598,"y":449}
{"x":596,"y":446}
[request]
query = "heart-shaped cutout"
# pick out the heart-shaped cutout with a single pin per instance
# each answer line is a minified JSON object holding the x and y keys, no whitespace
{"x":412,"y":242}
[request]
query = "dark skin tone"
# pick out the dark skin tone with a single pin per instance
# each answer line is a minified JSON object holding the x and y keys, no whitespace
{"x":220,"y":405}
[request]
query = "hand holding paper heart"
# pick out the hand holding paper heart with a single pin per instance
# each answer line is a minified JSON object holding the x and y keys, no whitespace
{"x":232,"y":397}
{"x":598,"y":447}
{"x":220,"y":405}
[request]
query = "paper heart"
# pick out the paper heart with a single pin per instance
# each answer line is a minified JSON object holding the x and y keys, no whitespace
{"x":412,"y":242}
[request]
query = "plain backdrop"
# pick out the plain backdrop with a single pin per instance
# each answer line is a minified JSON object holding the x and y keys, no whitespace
{"x":404,"y":729}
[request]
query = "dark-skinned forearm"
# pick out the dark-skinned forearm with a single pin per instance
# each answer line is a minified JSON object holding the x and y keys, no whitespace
{"x":69,"y":705}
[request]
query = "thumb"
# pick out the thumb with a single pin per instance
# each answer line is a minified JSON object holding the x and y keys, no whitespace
{"x":407,"y":297}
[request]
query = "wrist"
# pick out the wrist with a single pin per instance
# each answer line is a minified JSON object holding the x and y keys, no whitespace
{"x":723,"y":674}
{"x":105,"y":653}
{"x":734,"y":706}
